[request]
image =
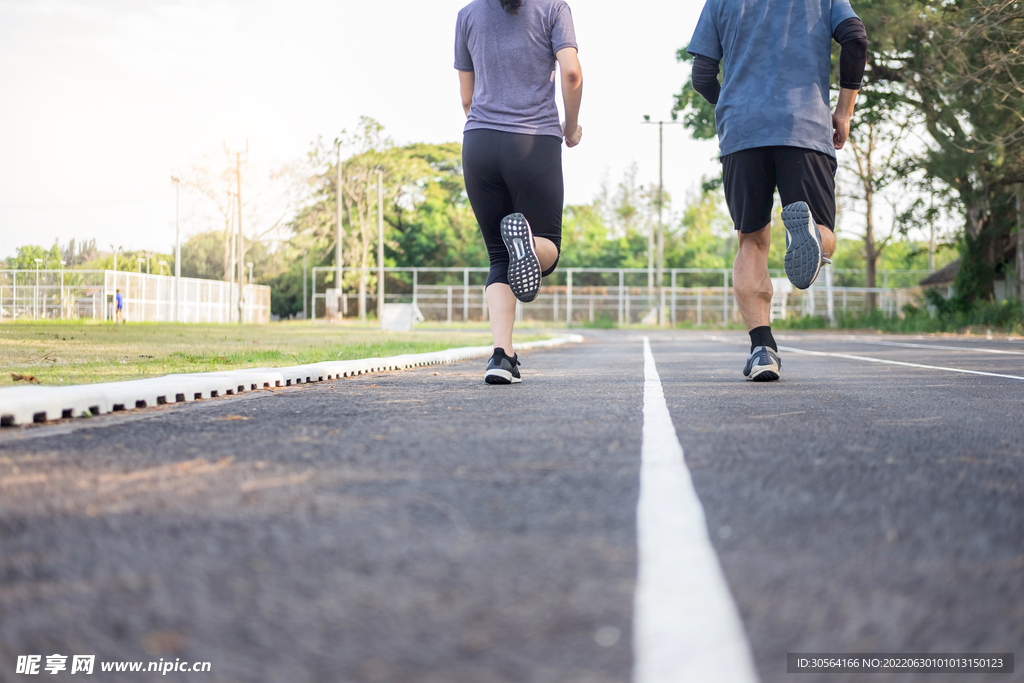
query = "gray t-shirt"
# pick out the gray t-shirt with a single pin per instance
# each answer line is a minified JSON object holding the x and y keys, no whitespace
{"x":776,"y":57}
{"x":513,"y":59}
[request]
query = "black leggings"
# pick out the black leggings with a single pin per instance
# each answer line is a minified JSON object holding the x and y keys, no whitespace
{"x":513,"y":173}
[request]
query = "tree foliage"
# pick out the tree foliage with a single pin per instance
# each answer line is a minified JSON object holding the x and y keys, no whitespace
{"x":959,"y":65}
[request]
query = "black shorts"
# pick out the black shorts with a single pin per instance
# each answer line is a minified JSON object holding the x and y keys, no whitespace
{"x":751,"y":176}
{"x":513,"y":173}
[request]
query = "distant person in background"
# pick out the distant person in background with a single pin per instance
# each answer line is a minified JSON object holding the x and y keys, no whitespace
{"x":775,"y":130}
{"x":118,"y":308}
{"x":506,"y":53}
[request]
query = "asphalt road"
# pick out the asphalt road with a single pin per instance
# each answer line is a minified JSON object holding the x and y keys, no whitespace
{"x":423,"y":526}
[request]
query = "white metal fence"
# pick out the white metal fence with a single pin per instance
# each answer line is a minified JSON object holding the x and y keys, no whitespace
{"x":89,"y":294}
{"x":618,"y":296}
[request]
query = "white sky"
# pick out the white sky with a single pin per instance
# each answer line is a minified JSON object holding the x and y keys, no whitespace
{"x":104,"y":99}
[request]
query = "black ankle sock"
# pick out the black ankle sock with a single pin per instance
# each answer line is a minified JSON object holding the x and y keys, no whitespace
{"x":762,"y":336}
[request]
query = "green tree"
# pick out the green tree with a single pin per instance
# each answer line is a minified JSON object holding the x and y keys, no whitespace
{"x":959,"y":65}
{"x":25,"y":257}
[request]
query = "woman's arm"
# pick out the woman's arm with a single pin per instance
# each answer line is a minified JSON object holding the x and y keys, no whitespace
{"x":572,"y":94}
{"x":467,"y":81}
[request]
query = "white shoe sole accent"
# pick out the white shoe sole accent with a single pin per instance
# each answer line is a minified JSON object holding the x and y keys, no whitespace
{"x":761,"y":369}
{"x":505,"y":375}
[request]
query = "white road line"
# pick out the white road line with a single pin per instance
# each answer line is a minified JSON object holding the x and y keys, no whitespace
{"x":686,"y":628}
{"x":936,"y":346}
{"x":869,"y":359}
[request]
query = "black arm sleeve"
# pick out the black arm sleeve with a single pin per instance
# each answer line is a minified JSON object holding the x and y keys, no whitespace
{"x":705,"y":78}
{"x":852,"y":35}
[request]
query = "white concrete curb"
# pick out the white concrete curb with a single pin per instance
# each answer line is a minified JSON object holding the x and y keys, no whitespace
{"x":23,"y":405}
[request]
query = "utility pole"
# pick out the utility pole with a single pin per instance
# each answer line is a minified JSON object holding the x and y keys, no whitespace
{"x":661,"y":225}
{"x":380,"y":245}
{"x":62,"y":264}
{"x":177,"y":250}
{"x":339,"y":241}
{"x":931,"y":231}
{"x":35,"y":296}
{"x":1020,"y":242}
{"x":240,"y":261}
{"x":305,"y":311}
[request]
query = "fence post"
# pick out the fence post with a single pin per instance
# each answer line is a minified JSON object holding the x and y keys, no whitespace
{"x":449,"y":304}
{"x":673,"y":316}
{"x":554,"y":304}
{"x":622,"y":278}
{"x":415,"y":286}
{"x":629,"y":317}
{"x":312,"y":294}
{"x":831,"y":300}
{"x":465,"y":297}
{"x":661,"y":304}
{"x":698,"y":306}
{"x":568,"y":297}
{"x":725,"y":298}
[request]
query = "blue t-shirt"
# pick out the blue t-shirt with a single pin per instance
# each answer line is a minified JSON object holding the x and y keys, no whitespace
{"x":512,"y":57}
{"x":119,"y":300}
{"x":776,"y":58}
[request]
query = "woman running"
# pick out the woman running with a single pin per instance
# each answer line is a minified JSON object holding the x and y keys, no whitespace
{"x":505,"y":52}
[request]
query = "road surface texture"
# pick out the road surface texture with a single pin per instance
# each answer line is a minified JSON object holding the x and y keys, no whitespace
{"x":423,"y":526}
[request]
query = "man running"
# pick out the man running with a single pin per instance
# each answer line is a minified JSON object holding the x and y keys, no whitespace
{"x":775,"y":130}
{"x":118,"y":308}
{"x":506,"y":52}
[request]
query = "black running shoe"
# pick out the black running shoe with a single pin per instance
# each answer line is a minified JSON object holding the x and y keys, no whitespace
{"x":502,"y":369}
{"x":523,"y":264}
{"x":763,"y":365}
{"x":804,"y":256}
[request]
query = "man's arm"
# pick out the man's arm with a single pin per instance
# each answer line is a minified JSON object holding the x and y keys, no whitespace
{"x":704,"y":77}
{"x":853,"y":37}
{"x":841,"y":117}
{"x":467,"y":81}
{"x":572,"y":94}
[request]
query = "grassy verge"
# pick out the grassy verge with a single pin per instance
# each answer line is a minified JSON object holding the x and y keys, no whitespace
{"x":69,"y":353}
{"x":1003,"y":317}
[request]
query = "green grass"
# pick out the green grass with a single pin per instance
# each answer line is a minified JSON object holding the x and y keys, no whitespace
{"x":77,"y":353}
{"x":1004,"y":317}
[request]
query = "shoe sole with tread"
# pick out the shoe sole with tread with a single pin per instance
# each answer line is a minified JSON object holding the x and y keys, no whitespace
{"x":803,"y":245}
{"x":524,"y":272}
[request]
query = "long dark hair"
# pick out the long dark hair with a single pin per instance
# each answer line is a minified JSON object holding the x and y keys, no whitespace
{"x":511,"y":6}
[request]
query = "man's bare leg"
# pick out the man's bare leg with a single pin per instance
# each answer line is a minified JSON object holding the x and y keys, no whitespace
{"x":501,"y":302}
{"x":828,"y":241}
{"x":751,"y":281}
